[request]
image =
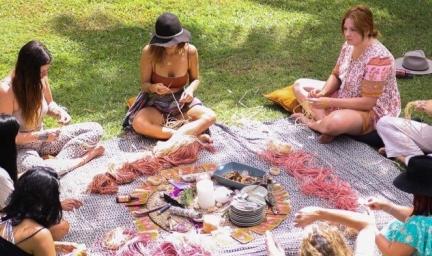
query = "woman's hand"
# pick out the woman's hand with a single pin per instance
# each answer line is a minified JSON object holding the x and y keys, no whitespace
{"x":48,"y":135}
{"x":377,"y":204}
{"x":424,"y":106}
{"x":64,"y":117}
{"x":70,"y":204}
{"x":65,"y":247}
{"x":306,"y":216}
{"x":187,"y":96}
{"x":316,"y":93}
{"x":321,"y":102}
{"x":159,"y":89}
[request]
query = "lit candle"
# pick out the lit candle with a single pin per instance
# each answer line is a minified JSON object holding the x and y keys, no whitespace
{"x":205,"y":192}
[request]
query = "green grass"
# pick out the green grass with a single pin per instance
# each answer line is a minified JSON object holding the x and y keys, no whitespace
{"x":246,"y":48}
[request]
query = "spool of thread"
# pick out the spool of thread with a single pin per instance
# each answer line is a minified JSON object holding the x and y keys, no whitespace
{"x":205,"y":193}
{"x":125,"y":198}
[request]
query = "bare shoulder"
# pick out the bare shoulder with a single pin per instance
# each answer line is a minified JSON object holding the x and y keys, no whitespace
{"x":43,"y":235}
{"x":192,"y":50}
{"x":6,"y":96}
{"x":30,"y":227}
{"x":146,"y":50}
{"x":5,"y":86}
{"x":43,"y":243}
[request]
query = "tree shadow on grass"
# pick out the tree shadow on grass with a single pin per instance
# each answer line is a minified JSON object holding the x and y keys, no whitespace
{"x":108,"y":70}
{"x":267,"y":57}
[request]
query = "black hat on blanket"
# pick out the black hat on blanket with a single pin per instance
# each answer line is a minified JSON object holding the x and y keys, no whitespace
{"x":169,"y":31}
{"x":417,"y":179}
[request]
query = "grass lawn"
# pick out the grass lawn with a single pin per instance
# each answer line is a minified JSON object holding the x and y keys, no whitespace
{"x":246,"y":48}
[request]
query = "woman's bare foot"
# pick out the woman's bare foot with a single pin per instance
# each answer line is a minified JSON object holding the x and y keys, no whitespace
{"x":325,"y":139}
{"x":301,"y":118}
{"x":92,"y":154}
{"x":205,"y":138}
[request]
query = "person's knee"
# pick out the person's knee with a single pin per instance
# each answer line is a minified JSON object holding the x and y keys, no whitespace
{"x":333,"y":125}
{"x":140,"y":126}
{"x":298,"y":86}
{"x":209,"y":117}
{"x":97,"y":129}
{"x":60,"y":230}
{"x":384,"y":122}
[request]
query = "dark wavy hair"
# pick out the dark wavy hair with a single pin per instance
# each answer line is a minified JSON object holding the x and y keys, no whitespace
{"x":8,"y":153}
{"x":26,"y":83}
{"x":36,"y":197}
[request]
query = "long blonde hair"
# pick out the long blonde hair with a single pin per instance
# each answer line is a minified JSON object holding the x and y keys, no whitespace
{"x":324,"y":241}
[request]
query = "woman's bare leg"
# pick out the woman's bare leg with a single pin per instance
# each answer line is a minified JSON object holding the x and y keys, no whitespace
{"x":201,"y":119}
{"x":149,"y":122}
{"x":344,"y":121}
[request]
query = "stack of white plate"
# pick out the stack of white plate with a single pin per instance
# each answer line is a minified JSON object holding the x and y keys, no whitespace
{"x":245,"y":213}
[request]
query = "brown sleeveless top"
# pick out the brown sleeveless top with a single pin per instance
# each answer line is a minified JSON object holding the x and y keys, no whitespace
{"x":171,"y":82}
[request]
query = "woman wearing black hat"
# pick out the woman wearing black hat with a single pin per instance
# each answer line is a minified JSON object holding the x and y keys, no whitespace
{"x":169,"y":78}
{"x":409,"y":234}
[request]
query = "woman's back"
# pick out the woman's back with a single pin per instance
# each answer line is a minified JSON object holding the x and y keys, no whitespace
{"x":26,"y":238}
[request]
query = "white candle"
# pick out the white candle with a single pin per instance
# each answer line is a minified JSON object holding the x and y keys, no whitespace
{"x":205,"y":192}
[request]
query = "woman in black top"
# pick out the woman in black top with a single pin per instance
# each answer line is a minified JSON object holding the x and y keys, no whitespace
{"x":33,"y":208}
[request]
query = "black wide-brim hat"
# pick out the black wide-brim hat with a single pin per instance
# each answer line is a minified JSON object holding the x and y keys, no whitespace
{"x":169,"y":31}
{"x":417,"y":179}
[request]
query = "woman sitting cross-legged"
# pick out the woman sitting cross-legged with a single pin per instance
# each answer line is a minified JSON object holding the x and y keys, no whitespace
{"x":33,"y":215}
{"x":9,"y":176}
{"x":26,"y":94}
{"x":404,"y":138}
{"x":169,"y":78}
{"x":361,"y":89}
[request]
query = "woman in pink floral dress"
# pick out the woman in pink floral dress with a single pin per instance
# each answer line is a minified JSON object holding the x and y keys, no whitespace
{"x":361,"y":89}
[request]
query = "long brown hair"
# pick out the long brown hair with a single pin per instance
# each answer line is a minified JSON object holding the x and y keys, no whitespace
{"x":26,"y":83}
{"x":422,"y":205}
{"x":363,"y":20}
{"x":158,"y":52}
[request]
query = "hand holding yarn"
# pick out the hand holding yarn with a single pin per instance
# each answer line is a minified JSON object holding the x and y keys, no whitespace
{"x":48,"y":135}
{"x":306,"y":216}
{"x":70,"y":204}
{"x":424,"y":106}
{"x":187,"y":96}
{"x":159,"y":89}
{"x":321,"y":102}
{"x":316,"y":93}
